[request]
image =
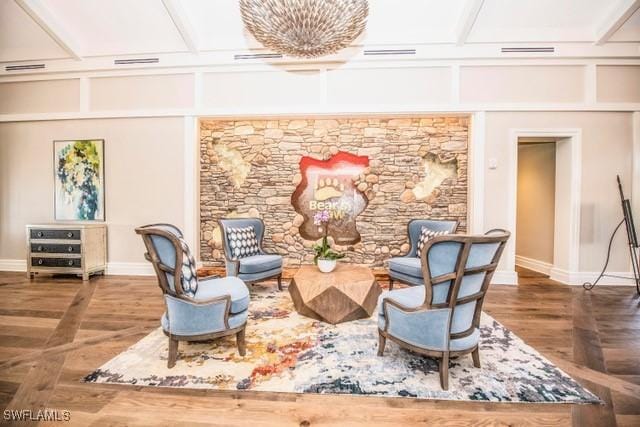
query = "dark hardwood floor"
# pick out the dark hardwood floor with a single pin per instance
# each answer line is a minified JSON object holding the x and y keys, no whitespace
{"x":53,"y":331}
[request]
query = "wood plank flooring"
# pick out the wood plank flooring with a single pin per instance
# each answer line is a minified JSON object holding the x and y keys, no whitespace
{"x":53,"y":331}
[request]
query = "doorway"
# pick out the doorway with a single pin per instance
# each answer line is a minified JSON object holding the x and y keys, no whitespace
{"x":545,"y":202}
{"x":535,"y":211}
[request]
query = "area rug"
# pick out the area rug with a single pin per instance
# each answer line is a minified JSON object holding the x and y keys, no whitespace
{"x":287,"y":352}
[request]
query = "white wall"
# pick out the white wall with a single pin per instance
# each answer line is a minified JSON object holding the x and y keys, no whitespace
{"x":606,"y":151}
{"x":144,"y":179}
{"x":598,"y":98}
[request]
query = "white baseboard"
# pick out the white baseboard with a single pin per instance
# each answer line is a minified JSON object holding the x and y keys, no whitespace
{"x":113,"y":268}
{"x":504,"y":277}
{"x":13,"y":265}
{"x":577,"y":278}
{"x":534,"y":264}
{"x":500,"y":277}
{"x":130,"y":269}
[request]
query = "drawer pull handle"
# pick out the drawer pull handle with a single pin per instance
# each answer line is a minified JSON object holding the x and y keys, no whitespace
{"x":70,"y":262}
{"x":69,"y":234}
{"x":40,"y":234}
{"x":40,"y":248}
{"x":70,"y":249}
{"x":40,"y":262}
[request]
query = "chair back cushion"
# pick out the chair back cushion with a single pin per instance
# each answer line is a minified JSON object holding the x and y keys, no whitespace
{"x":226,"y":224}
{"x":164,"y":240}
{"x":189,"y":270}
{"x":243,"y":242}
{"x":425,"y":235}
{"x":472,"y":260}
{"x":415,"y":229}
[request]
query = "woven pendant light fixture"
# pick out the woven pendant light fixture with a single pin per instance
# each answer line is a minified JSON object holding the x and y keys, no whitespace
{"x":305,"y":28}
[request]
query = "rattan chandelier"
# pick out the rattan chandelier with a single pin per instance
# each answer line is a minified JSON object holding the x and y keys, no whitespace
{"x":305,"y":28}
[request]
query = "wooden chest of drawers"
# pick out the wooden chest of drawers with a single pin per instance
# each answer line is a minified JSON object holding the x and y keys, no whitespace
{"x":66,"y":248}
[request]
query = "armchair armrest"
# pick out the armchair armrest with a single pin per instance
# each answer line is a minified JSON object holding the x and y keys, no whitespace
{"x":421,"y":326}
{"x":231,"y":265}
{"x":189,"y":317}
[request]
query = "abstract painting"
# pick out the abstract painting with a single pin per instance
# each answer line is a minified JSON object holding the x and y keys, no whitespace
{"x":79,"y":180}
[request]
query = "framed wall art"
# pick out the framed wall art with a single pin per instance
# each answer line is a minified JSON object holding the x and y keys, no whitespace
{"x":79,"y":180}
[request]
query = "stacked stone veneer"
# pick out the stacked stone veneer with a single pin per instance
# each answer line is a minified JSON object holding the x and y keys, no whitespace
{"x":418,"y":169}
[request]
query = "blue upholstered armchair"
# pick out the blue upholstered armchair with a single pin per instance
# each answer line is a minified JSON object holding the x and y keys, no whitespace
{"x":442,"y":318}
{"x":196,"y":310}
{"x":252,"y":265}
{"x":406,"y":268}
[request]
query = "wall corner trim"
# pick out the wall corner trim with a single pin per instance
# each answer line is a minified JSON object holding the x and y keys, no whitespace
{"x":505,"y":277}
{"x":534,"y":264}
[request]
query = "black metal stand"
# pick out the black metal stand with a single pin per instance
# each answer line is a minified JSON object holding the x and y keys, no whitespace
{"x":635,"y":260}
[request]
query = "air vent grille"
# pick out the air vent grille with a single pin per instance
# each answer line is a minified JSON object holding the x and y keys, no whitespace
{"x":257,"y":56}
{"x":528,"y":49}
{"x":136,"y":61}
{"x":24,"y":67}
{"x":374,"y":52}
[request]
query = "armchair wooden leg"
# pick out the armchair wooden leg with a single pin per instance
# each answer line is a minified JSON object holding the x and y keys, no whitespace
{"x":391,"y":284}
{"x":173,"y":353}
{"x":382,"y":341}
{"x":242,"y":346}
{"x":444,"y":371}
{"x":475,"y":354}
{"x":280,"y":282}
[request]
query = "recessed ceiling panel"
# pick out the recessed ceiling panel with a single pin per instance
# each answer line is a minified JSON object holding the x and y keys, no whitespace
{"x":118,"y":27}
{"x":412,"y":21}
{"x":630,"y":30}
{"x":218,"y":25}
{"x":21,"y":39}
{"x":503,"y":21}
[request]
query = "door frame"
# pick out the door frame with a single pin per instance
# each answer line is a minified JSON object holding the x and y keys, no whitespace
{"x":574,"y":136}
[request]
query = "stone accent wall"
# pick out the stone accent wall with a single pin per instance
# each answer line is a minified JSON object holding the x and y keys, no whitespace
{"x":417,"y":169}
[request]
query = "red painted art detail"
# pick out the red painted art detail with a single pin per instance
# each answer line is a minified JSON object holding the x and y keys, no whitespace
{"x":338,"y":160}
{"x":329,"y":185}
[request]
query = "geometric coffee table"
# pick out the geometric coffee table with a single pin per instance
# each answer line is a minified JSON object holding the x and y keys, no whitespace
{"x":348,"y":293}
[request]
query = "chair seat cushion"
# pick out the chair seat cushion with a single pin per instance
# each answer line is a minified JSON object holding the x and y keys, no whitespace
{"x":260,"y":263}
{"x":406,"y":265}
{"x":232,"y":286}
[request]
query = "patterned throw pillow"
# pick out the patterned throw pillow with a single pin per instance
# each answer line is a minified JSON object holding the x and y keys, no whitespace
{"x":427,"y":234}
{"x":243,"y":242}
{"x":189,"y":270}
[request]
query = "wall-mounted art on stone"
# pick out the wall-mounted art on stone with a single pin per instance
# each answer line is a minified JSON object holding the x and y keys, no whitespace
{"x":417,"y":168}
{"x":330,"y":185}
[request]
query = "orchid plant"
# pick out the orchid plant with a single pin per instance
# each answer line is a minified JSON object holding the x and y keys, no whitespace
{"x":323,"y":250}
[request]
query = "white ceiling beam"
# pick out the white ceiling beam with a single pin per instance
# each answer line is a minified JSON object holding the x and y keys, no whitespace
{"x":467,"y":19}
{"x":45,"y":19}
{"x":183,"y":25}
{"x":616,"y":19}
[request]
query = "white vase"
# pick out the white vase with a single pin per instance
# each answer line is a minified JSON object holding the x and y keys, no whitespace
{"x":326,"y":265}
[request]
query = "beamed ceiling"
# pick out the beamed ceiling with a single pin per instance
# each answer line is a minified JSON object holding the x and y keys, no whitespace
{"x":54,"y":31}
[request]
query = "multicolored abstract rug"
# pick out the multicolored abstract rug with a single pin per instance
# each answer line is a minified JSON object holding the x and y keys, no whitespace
{"x":287,"y":352}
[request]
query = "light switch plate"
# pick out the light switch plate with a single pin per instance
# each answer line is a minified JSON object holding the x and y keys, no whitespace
{"x":493,"y":163}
